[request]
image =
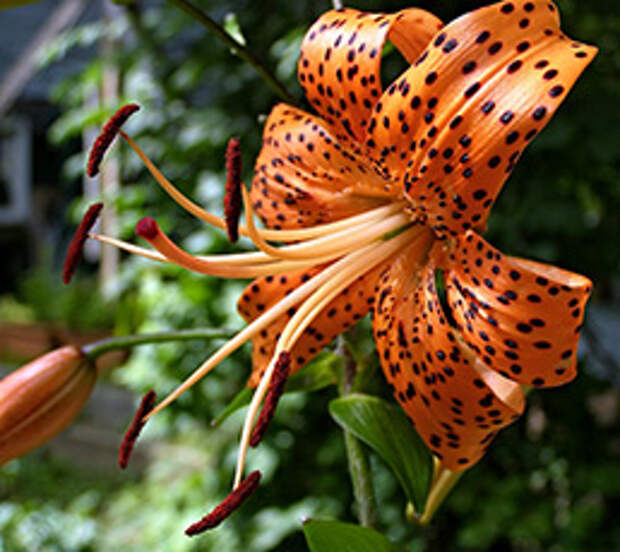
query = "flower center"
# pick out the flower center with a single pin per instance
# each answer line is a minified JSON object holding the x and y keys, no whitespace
{"x":348,"y":249}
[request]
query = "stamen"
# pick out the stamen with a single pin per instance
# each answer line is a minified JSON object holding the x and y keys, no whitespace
{"x":227,"y":506}
{"x":276,"y":388}
{"x":107,"y":134}
{"x":232,"y":197}
{"x":132,"y":433}
{"x":376,"y":214}
{"x":232,"y":259}
{"x":175,"y":194}
{"x":74,"y":251}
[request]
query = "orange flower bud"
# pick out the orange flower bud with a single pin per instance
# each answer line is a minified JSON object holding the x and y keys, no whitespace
{"x":41,"y":398}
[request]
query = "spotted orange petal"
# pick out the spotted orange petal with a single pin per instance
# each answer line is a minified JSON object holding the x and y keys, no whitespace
{"x":484,"y":87}
{"x":456,"y":404}
{"x":522,"y":317}
{"x":340,"y":314}
{"x":305,"y":176}
{"x":339,"y":66}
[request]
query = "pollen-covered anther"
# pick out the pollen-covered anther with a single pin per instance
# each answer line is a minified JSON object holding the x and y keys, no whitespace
{"x":227,"y":506}
{"x":232,"y":197}
{"x":276,"y":389}
{"x":107,"y":135}
{"x":132,"y":433}
{"x":74,"y":251}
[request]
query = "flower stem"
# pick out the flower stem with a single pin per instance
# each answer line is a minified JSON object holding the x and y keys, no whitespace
{"x":440,"y":489}
{"x":239,"y":48}
{"x":93,"y":350}
{"x":359,"y":468}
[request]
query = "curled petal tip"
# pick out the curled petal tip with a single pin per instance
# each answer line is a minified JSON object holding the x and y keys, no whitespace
{"x":74,"y":251}
{"x":147,"y":228}
{"x":107,"y":135}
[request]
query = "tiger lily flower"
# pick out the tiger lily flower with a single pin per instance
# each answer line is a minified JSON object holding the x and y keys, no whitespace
{"x":383,"y":192}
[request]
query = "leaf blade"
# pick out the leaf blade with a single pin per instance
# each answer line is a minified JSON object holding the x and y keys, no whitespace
{"x":330,"y":535}
{"x":386,"y":429}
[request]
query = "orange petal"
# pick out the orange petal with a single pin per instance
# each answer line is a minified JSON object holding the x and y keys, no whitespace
{"x":486,"y":85}
{"x":522,"y":317}
{"x":455,"y":404}
{"x":304,"y":176}
{"x":339,"y":66}
{"x":339,"y":315}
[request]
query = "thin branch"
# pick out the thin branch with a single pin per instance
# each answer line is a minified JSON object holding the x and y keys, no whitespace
{"x":239,"y":48}
{"x":93,"y":350}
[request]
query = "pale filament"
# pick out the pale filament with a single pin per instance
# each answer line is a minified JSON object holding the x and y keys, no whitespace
{"x":304,"y":316}
{"x":270,"y":266}
{"x":178,"y":256}
{"x":376,"y":214}
{"x":301,"y":251}
{"x":331,"y":245}
{"x":267,"y":318}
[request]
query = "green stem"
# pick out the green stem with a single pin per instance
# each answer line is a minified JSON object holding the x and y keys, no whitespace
{"x":362,"y":483}
{"x":239,"y":48}
{"x":359,"y":468}
{"x":93,"y":350}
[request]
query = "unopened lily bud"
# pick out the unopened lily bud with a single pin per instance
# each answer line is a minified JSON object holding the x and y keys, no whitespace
{"x":38,"y":400}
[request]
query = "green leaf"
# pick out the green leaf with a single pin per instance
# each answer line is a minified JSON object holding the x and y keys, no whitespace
{"x":330,"y":536}
{"x":232,"y":27}
{"x":240,"y":400}
{"x":385,"y":428}
{"x":318,"y":374}
{"x":321,"y":372}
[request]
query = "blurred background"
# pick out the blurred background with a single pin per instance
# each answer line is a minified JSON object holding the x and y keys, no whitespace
{"x":550,"y":482}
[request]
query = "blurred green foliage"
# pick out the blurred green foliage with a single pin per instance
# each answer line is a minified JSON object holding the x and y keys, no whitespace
{"x":549,"y":483}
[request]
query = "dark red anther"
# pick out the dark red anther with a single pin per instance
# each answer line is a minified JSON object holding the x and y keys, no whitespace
{"x":147,"y":228}
{"x":74,"y":251}
{"x":227,"y":506}
{"x":232,"y":198}
{"x":107,"y":134}
{"x":276,"y":388}
{"x":132,"y":433}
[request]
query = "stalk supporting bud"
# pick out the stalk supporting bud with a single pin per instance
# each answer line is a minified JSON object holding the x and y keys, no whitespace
{"x":38,"y":400}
